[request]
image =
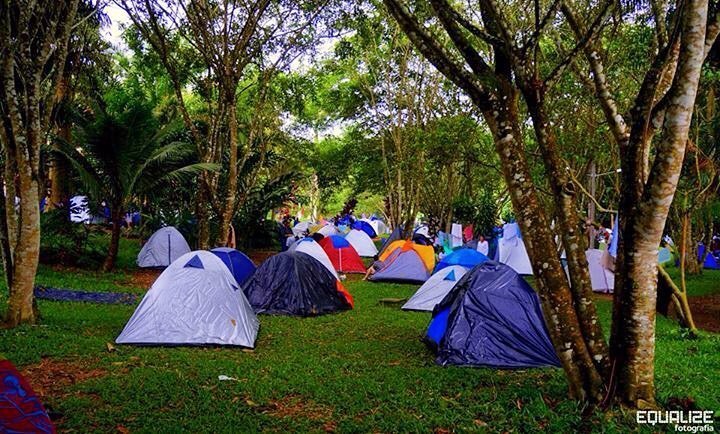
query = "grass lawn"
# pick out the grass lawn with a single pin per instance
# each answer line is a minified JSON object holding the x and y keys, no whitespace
{"x":359,"y":371}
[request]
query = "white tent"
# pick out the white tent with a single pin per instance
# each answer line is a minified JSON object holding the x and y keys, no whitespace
{"x":301,"y":228}
{"x":362,"y":243}
{"x":309,"y":246}
{"x":511,"y":250}
{"x":195,"y":301}
{"x":456,"y":235}
{"x":378,"y":226}
{"x":327,"y":230}
{"x":602,"y":279}
{"x":79,"y":209}
{"x":435,"y":288}
{"x":163,"y":248}
{"x":423,"y":230}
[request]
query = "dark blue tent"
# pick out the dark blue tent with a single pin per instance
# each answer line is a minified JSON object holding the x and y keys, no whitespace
{"x":422,"y":240}
{"x":467,"y":258}
{"x":365,"y":227}
{"x":241,"y":267}
{"x":295,"y":283}
{"x":491,"y":318}
{"x":711,"y":262}
{"x":396,"y":234}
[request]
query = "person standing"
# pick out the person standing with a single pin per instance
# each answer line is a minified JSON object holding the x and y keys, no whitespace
{"x":483,"y":246}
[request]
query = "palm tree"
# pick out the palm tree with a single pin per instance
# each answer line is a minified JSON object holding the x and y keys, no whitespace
{"x":124,"y":157}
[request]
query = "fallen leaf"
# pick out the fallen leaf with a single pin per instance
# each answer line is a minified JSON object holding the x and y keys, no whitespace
{"x":110,"y":347}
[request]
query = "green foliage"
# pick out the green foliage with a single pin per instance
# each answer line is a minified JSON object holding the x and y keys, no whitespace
{"x":66,"y":243}
{"x":481,"y":212}
{"x":253,"y":230}
{"x":123,"y":157}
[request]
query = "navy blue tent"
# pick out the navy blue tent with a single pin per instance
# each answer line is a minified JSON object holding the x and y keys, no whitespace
{"x":365,"y":227}
{"x":491,"y":318}
{"x":422,"y":240}
{"x":241,"y":267}
{"x":295,"y":283}
{"x":711,"y":262}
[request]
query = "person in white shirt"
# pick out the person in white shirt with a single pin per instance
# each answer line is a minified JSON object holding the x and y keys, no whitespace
{"x":483,"y":246}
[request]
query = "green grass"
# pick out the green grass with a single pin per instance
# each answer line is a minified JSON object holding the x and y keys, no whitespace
{"x":706,"y":283}
{"x":364,"y":370}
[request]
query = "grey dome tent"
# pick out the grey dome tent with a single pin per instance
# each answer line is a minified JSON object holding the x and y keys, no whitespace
{"x":195,"y":301}
{"x":163,"y":248}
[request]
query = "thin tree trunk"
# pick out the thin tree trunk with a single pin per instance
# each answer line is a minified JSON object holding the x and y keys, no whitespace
{"x":114,"y":247}
{"x":201,"y":214}
{"x":228,"y":210}
{"x":689,"y":257}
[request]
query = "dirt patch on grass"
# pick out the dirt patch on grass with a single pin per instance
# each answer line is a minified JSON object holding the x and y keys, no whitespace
{"x":259,"y":256}
{"x":53,"y":377}
{"x":295,"y":406}
{"x":706,"y":312}
{"x":144,"y":278}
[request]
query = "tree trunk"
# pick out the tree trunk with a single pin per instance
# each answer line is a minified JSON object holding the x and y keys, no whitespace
{"x":689,"y":257}
{"x":228,"y":209}
{"x":114,"y":247}
{"x":584,"y":380}
{"x":26,"y":253}
{"x":59,"y":175}
{"x":632,"y":343}
{"x":572,"y":239}
{"x":201,"y":214}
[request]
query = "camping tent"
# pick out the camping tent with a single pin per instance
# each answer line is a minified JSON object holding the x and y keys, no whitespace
{"x":237,"y":262}
{"x":468,"y":258}
{"x":423,"y":230}
{"x":511,"y":250}
{"x":378,"y":226}
{"x":195,"y":301}
{"x":79,"y":209}
{"x":491,"y":318}
{"x":664,"y":256}
{"x":312,"y":248}
{"x":406,"y":261}
{"x":20,"y":409}
{"x":365,"y":227}
{"x":435,"y":289}
{"x":327,"y":230}
{"x":301,"y":228}
{"x":342,"y":255}
{"x":711,"y":262}
{"x":294,"y":283}
{"x":601,"y":279}
{"x":163,"y":248}
{"x":456,"y":235}
{"x":362,"y":243}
